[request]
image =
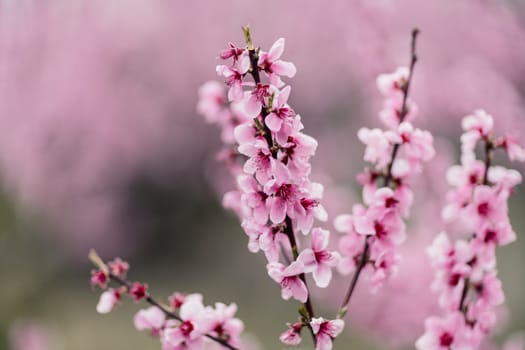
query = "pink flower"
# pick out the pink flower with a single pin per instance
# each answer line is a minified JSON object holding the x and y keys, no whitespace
{"x":391,"y":114}
{"x":387,"y":227}
{"x":152,"y":319}
{"x":319,"y":259}
{"x":466,"y":175}
{"x":108,"y":300}
{"x":378,"y":146}
{"x":138,"y":291}
{"x":488,"y":206}
{"x":326,"y":331}
{"x":289,"y":280}
{"x":224,"y":325}
{"x":234,"y":80}
{"x":285,"y":197}
{"x":99,"y":278}
{"x":212,"y":97}
{"x":443,"y":334}
{"x":118,"y":267}
{"x":270,"y":63}
{"x":515,"y":151}
{"x":254,"y":197}
{"x":281,"y":112}
{"x":176,"y":300}
{"x":392,"y":84}
{"x":417,"y":143}
{"x":256,"y":99}
{"x":232,"y":51}
{"x":480,"y":122}
{"x":292,"y":336}
{"x":197,"y":321}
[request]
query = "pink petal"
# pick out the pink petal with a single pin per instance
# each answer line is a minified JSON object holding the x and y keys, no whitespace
{"x":307,"y":258}
{"x":294,"y":269}
{"x":284,"y":68}
{"x":298,"y":289}
{"x":322,"y":275}
{"x":275,"y":271}
{"x":235,"y":93}
{"x":151,"y":318}
{"x":320,"y":239}
{"x":273,"y":122}
{"x":252,"y":107}
{"x":244,"y":133}
{"x":324,"y":342}
{"x":278,"y":210}
{"x":276,"y":50}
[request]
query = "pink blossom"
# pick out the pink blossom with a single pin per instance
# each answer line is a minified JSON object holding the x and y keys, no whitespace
{"x":234,"y":80}
{"x":254,"y":197}
{"x":99,"y":278}
{"x":503,"y":177}
{"x":232,"y":51}
{"x":118,"y":267}
{"x":386,"y":226}
{"x":480,"y":122}
{"x":108,"y":300}
{"x":224,"y":325}
{"x":138,"y":291}
{"x":256,"y":99}
{"x":377,"y":146}
{"x":270,"y":63}
{"x":281,"y":112}
{"x":418,"y":143}
{"x":176,"y":300}
{"x":390,"y":115}
{"x":488,"y":205}
{"x":318,"y":259}
{"x":211,"y":101}
{"x":152,"y":319}
{"x":326,"y":331}
{"x":197,"y":321}
{"x":292,"y":336}
{"x":288,"y":277}
{"x":443,"y":334}
{"x":466,"y":175}
{"x":285,"y":197}
{"x":391,"y":85}
{"x":515,"y":151}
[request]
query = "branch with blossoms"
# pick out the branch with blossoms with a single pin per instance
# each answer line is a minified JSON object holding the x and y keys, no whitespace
{"x":279,"y":206}
{"x":372,"y":232}
{"x":465,"y":261}
{"x":268,"y":154}
{"x":190,"y":328}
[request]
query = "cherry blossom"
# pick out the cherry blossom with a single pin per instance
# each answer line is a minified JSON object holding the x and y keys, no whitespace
{"x":289,"y":279}
{"x":326,"y":331}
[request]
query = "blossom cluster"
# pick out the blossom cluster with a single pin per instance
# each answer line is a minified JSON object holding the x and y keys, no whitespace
{"x":464,"y":258}
{"x":183,"y":323}
{"x":374,"y":230}
{"x":275,"y":198}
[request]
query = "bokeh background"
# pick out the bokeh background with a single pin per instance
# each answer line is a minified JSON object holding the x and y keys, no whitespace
{"x":101,"y":146}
